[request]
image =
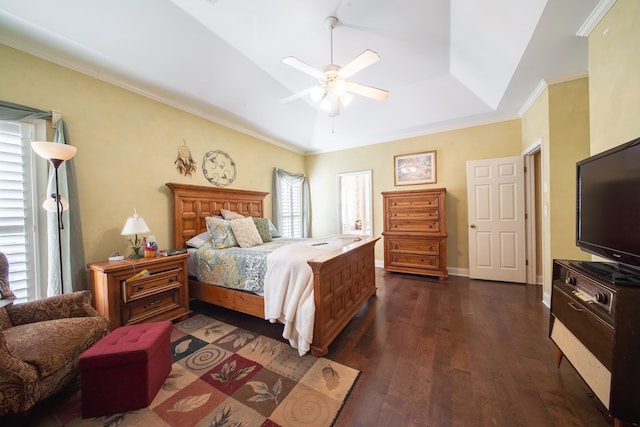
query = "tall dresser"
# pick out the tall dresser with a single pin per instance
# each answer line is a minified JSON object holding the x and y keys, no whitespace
{"x":415,"y":235}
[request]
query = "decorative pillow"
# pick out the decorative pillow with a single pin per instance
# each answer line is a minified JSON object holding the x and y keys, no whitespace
{"x":5,"y":291}
{"x":221,"y":232}
{"x":199,"y":240}
{"x":227,"y":214}
{"x":274,"y":231}
{"x":246,"y":232}
{"x":262,"y":225}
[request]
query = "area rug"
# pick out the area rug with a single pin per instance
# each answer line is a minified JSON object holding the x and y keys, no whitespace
{"x":226,"y":376}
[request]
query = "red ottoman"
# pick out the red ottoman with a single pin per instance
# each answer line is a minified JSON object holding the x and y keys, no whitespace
{"x":125,"y":370}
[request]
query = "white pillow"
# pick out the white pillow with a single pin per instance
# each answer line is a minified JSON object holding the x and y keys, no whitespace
{"x":246,"y":232}
{"x":199,"y":240}
{"x":227,"y":214}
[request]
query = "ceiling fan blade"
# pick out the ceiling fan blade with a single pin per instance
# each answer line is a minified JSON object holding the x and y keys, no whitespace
{"x":368,"y":91}
{"x":361,"y":61}
{"x":301,"y":66}
{"x":297,"y":95}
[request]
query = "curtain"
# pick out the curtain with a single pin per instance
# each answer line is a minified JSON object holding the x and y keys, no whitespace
{"x":71,"y":235}
{"x":276,"y":198}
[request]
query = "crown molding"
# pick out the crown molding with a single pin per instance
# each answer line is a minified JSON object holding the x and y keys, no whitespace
{"x":594,"y":18}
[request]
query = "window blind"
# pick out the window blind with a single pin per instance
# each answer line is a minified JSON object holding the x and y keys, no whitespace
{"x":291,"y":209}
{"x":15,"y":219}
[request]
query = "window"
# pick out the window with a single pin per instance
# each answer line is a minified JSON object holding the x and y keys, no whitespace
{"x":290,"y":196}
{"x":291,"y":208}
{"x":354,"y":203}
{"x":18,"y":238}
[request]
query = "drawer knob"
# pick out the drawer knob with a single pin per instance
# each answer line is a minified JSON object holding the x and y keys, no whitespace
{"x":140,"y":287}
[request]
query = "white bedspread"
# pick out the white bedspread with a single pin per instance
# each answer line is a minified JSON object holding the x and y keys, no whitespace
{"x":288,"y":287}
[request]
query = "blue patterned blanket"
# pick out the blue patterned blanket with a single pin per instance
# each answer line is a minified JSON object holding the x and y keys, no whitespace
{"x":235,"y":267}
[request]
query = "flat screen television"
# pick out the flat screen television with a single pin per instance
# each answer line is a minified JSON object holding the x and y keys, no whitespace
{"x":608,"y":205}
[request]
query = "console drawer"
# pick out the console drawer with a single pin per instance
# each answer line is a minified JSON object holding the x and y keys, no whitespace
{"x":590,"y":330}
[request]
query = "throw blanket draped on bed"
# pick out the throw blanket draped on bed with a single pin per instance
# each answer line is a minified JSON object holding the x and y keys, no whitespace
{"x":288,"y":287}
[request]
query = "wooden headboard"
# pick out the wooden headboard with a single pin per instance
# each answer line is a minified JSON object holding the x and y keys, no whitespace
{"x":193,"y":203}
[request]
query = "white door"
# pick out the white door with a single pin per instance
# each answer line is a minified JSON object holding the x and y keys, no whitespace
{"x":495,"y":195}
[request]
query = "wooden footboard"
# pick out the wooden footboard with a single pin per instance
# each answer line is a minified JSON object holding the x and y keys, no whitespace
{"x":343,"y":280}
{"x":342,"y":284}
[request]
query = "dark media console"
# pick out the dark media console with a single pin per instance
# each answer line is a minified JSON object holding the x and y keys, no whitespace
{"x":610,"y":272}
{"x":596,"y":325}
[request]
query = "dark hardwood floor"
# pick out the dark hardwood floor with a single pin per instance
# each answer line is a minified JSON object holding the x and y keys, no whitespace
{"x":455,"y":352}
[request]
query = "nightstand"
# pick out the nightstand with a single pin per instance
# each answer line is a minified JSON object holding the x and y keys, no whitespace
{"x":161,"y":295}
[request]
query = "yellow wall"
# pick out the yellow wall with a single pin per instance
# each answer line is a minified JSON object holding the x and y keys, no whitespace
{"x":452,"y":148}
{"x":127,"y":145}
{"x":568,"y":143}
{"x":560,"y":119}
{"x":614,"y":77}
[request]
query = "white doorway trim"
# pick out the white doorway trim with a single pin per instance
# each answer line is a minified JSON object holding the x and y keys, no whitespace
{"x":530,"y":209}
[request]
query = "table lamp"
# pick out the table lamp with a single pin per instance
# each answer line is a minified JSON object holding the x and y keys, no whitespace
{"x":132,"y":227}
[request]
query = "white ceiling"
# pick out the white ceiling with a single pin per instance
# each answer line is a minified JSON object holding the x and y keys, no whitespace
{"x":446,"y":63}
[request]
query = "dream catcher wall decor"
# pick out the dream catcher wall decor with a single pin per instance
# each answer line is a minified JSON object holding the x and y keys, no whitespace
{"x":185,"y":163}
{"x":219,"y":168}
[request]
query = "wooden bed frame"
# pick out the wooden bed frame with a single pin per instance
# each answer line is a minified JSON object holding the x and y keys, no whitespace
{"x":343,"y":281}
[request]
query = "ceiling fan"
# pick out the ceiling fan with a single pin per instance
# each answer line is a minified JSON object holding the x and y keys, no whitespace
{"x":334,"y":88}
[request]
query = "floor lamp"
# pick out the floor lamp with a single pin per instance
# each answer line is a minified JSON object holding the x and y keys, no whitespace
{"x":56,"y":154}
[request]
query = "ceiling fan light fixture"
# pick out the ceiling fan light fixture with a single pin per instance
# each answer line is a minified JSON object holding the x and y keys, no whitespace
{"x":346,"y":99}
{"x":317,"y":93}
{"x":326,"y":103}
{"x":339,"y":88}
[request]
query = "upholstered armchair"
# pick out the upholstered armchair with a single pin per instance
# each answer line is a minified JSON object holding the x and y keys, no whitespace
{"x":40,"y":344}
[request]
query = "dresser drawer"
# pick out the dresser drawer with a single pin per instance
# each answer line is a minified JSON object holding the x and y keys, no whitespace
{"x":143,"y":309}
{"x":406,"y":202}
{"x":151,"y":285}
{"x":402,"y":245}
{"x":415,"y":261}
{"x":412,"y":224}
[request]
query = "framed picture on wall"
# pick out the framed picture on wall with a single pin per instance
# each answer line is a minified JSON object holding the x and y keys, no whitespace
{"x":415,"y":168}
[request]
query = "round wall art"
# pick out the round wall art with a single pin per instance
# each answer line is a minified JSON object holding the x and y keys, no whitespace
{"x":219,"y":168}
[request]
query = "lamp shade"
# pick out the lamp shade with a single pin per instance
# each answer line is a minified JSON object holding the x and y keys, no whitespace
{"x":134,"y":225}
{"x":50,"y":204}
{"x":53,"y":150}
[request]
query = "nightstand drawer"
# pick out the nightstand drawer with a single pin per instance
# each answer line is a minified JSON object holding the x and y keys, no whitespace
{"x":143,"y":309}
{"x":150,"y":285}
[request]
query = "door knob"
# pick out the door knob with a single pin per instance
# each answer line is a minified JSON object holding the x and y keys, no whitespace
{"x":473,"y":226}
